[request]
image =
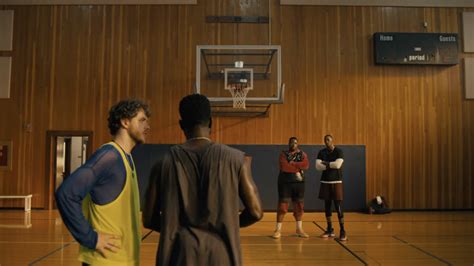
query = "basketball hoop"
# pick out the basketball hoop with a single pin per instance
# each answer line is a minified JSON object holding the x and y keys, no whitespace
{"x":238,"y":81}
{"x":239,"y":94}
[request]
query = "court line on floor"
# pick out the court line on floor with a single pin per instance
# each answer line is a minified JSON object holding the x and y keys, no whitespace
{"x":297,"y":244}
{"x":66,"y":245}
{"x":424,"y":251}
{"x":372,"y":236}
{"x":320,"y":227}
{"x":29,"y":242}
{"x":344,"y":246}
{"x":370,"y":258}
{"x":399,"y":221}
{"x":146,"y":235}
{"x":350,"y":251}
{"x":51,"y":253}
{"x":382,"y":221}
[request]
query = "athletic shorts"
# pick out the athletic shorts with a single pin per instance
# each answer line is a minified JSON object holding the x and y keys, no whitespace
{"x":331,"y":191}
{"x":290,"y":191}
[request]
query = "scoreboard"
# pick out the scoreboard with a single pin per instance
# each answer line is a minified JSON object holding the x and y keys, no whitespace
{"x":399,"y":48}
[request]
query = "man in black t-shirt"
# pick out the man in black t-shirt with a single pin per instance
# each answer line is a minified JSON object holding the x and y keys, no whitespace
{"x":329,"y":161}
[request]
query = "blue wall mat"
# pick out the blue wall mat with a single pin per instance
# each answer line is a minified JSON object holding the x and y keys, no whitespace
{"x":265,"y":172}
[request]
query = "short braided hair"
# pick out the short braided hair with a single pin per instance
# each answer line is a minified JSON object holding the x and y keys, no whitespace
{"x":195,"y":109}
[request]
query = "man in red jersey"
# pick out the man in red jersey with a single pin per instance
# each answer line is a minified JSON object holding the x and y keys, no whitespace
{"x":293,"y":162}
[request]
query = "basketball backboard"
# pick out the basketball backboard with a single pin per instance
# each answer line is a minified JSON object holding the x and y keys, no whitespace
{"x":256,"y":66}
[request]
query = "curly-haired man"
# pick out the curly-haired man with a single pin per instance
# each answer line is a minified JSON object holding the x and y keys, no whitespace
{"x":99,"y":202}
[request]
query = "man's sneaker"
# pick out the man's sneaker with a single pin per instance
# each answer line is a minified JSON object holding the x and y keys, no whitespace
{"x":342,"y":236}
{"x":302,"y":234}
{"x":276,"y":234}
{"x":328,"y":233}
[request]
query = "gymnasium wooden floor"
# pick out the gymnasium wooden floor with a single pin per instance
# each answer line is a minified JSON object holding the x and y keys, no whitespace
{"x":400,"y":238}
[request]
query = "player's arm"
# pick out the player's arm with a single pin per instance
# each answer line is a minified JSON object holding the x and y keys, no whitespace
{"x":151,"y":211}
{"x":320,"y":165}
{"x":337,"y":164}
{"x":284,"y":164}
{"x":248,"y":193}
{"x":304,"y":164}
{"x":69,"y":198}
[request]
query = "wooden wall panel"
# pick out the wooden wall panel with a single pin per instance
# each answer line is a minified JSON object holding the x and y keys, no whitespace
{"x":410,"y":118}
{"x":390,"y":3}
{"x":469,"y":78}
{"x":97,"y":2}
{"x":5,"y":74}
{"x":6,"y":27}
{"x":468,"y":34}
{"x":71,"y":63}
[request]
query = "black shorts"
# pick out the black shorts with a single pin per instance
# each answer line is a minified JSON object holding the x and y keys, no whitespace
{"x":331,"y":191}
{"x":293,"y":191}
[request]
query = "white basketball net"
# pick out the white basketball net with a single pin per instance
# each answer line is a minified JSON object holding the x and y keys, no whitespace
{"x":239,"y":94}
